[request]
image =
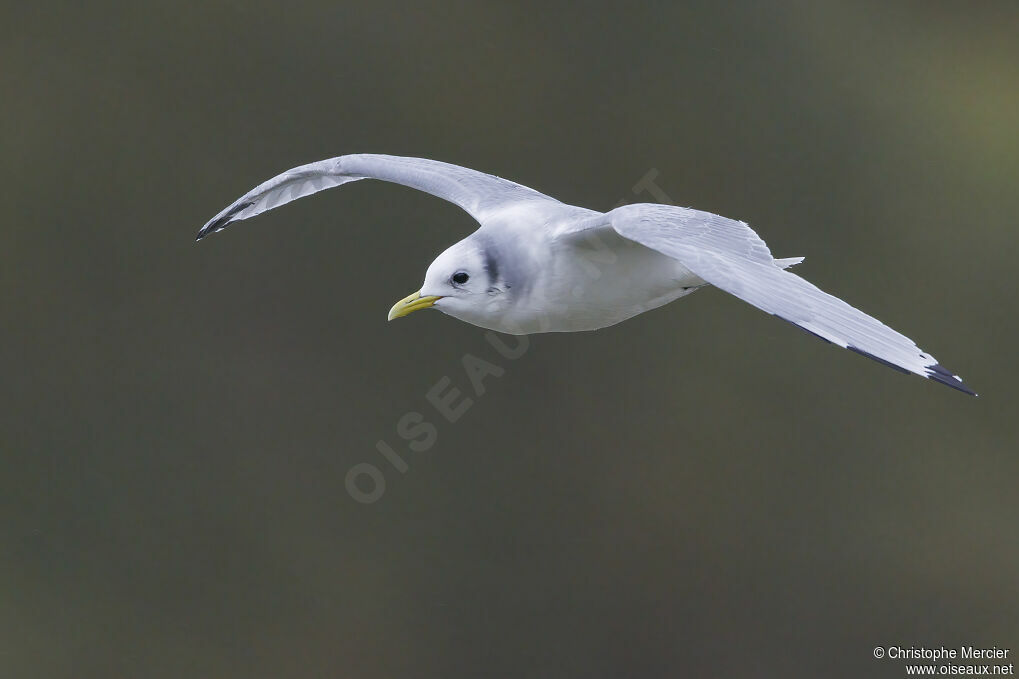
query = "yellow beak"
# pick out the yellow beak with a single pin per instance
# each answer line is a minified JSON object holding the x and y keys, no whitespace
{"x":412,"y":303}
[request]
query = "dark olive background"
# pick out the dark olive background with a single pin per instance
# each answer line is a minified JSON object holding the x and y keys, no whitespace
{"x":699,"y":491}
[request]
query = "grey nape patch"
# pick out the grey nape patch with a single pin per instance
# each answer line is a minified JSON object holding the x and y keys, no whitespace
{"x":491,"y":263}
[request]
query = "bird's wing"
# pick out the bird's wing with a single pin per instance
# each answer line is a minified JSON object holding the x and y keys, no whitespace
{"x":475,"y":192}
{"x":729,"y":255}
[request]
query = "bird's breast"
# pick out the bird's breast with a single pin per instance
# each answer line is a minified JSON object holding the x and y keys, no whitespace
{"x":594,"y":284}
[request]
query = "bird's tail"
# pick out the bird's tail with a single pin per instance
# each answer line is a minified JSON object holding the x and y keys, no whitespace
{"x":788,"y":262}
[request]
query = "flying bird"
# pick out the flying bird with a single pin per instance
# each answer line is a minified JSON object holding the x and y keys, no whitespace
{"x":539,"y":265}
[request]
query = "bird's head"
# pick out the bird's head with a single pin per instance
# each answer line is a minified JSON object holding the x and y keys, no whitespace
{"x":466,"y":282}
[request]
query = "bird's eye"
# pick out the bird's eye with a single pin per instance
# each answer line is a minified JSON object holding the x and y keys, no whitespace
{"x":460,"y":277}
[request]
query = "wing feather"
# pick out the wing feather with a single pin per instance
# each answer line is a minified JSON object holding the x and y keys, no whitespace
{"x":729,"y":255}
{"x":476,"y":192}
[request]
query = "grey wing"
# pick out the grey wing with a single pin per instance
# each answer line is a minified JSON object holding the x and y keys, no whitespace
{"x":729,"y":255}
{"x":475,"y":192}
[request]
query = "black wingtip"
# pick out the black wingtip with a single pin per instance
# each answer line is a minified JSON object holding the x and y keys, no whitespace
{"x":936,"y":372}
{"x":220,"y":222}
{"x":939,"y":373}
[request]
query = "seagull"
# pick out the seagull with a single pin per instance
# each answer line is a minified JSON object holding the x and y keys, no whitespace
{"x":539,"y":265}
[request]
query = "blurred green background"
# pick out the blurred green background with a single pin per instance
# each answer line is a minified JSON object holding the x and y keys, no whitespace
{"x":700,"y":491}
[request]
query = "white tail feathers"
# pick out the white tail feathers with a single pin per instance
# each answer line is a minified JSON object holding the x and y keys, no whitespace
{"x":788,"y":262}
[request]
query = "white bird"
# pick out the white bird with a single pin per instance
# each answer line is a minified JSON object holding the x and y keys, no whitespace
{"x":539,"y":265}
